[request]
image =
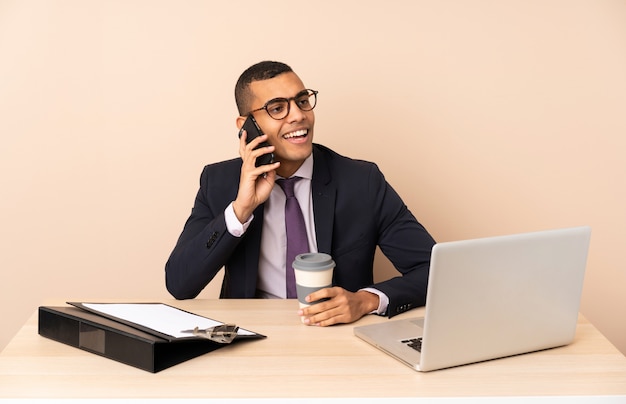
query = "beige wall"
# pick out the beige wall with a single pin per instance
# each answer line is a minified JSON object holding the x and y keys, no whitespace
{"x":488,"y":117}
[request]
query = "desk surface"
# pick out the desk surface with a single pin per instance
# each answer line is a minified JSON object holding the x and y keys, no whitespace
{"x":301,"y":361}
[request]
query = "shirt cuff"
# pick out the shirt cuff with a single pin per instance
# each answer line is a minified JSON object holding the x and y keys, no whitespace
{"x":383,"y":301}
{"x":234,"y":226}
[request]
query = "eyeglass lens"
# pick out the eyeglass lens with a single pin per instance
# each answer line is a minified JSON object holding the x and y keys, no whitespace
{"x":279,"y":108}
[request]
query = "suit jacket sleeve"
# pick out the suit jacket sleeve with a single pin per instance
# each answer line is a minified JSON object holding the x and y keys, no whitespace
{"x":205,"y":244}
{"x":405,"y":242}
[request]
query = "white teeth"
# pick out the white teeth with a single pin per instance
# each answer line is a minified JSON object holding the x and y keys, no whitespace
{"x":295,"y":134}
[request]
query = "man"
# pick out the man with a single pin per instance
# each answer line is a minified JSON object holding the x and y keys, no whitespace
{"x":238,"y":219}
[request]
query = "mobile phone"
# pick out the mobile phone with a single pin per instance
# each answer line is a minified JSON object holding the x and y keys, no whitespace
{"x":253,"y":131}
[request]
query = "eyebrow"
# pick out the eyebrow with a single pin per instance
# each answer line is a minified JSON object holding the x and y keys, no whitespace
{"x":287,"y":98}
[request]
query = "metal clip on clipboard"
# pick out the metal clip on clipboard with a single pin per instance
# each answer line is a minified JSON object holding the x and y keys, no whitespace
{"x":223,"y":333}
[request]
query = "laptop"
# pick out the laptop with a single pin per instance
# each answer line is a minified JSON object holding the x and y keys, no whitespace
{"x":490,"y":298}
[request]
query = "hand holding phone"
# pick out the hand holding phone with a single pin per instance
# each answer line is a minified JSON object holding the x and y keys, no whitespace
{"x":253,"y":131}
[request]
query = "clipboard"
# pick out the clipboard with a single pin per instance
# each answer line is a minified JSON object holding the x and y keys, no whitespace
{"x":162,"y":320}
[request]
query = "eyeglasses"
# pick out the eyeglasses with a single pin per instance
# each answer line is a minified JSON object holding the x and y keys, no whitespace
{"x":278,"y":108}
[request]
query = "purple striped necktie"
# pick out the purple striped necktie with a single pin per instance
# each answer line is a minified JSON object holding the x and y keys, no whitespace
{"x":297,"y":242}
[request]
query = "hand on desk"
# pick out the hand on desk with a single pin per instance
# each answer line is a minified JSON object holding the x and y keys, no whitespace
{"x":343,"y":306}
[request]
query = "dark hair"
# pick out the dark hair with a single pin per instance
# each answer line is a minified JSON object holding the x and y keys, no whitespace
{"x":261,"y":71}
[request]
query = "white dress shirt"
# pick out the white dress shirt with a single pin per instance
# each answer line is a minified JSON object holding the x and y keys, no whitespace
{"x":272,"y":260}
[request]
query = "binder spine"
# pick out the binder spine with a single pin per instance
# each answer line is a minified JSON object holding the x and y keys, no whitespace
{"x":97,"y":338}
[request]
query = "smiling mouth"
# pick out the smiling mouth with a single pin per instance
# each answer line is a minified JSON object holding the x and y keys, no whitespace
{"x":298,"y":133}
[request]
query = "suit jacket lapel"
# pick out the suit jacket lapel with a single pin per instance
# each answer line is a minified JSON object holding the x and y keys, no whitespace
{"x":324,"y":193}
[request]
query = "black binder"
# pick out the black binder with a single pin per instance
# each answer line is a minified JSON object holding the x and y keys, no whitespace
{"x":121,"y":342}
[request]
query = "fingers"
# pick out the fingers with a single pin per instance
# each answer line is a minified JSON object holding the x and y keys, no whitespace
{"x":342,"y":306}
{"x":249,"y":152}
{"x":325,"y":293}
{"x":333,"y":311}
{"x":326,"y":318}
{"x":248,"y":148}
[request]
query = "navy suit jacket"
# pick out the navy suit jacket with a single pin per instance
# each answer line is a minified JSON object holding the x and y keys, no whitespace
{"x":355,"y":210}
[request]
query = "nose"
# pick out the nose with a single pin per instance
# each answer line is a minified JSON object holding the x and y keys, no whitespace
{"x":295,"y":113}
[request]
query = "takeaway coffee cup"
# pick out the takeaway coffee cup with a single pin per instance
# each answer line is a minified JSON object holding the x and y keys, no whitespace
{"x":313,"y":271}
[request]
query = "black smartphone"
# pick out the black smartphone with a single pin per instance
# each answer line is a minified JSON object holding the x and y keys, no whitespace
{"x":252,"y":131}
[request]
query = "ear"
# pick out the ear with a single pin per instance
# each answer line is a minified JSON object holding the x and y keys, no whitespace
{"x":239,"y":121}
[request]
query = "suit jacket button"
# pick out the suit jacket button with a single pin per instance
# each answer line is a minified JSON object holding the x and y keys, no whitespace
{"x":212,"y":239}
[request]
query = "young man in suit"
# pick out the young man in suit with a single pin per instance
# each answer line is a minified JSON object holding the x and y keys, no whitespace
{"x":238,"y":219}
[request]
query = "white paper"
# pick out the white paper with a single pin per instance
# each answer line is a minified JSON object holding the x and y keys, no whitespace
{"x":159,"y":317}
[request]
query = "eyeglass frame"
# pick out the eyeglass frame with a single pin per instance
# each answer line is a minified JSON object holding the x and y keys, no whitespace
{"x":308,"y":91}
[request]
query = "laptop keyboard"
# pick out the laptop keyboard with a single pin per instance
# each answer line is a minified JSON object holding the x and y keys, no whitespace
{"x":415,"y":343}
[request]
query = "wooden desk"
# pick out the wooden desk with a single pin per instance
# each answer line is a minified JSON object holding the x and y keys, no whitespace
{"x":301,"y":361}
